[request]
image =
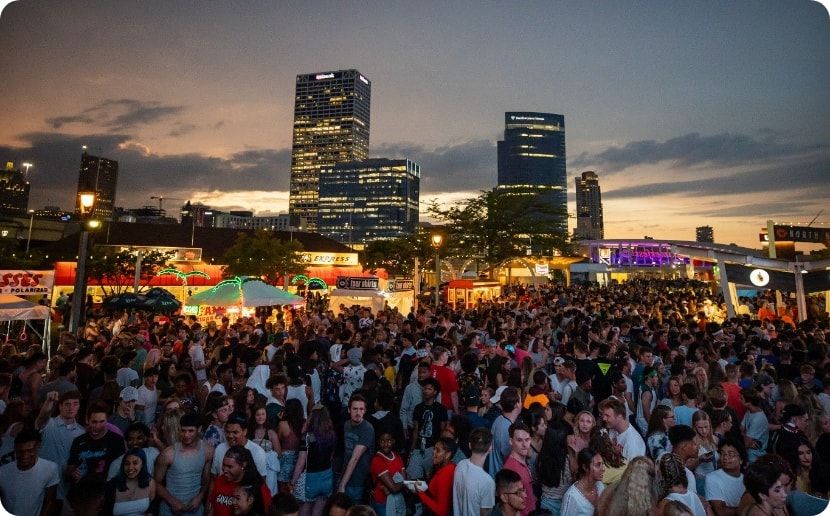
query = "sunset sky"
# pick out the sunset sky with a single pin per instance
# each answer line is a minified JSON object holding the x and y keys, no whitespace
{"x":691,"y":113}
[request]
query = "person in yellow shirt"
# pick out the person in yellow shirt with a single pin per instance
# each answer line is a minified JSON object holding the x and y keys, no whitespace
{"x":388,"y":361}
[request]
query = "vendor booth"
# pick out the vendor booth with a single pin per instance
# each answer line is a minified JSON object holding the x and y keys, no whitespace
{"x":363,"y":291}
{"x":468,"y":292}
{"x":13,"y":308}
{"x":237,"y":297}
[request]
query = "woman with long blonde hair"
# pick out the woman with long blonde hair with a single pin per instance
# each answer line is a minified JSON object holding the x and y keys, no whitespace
{"x":634,"y":494}
{"x":700,"y":378}
{"x":707,"y":448}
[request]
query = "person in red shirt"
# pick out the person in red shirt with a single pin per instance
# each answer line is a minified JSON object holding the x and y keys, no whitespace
{"x":517,"y":461}
{"x":438,"y":495}
{"x":387,"y":470}
{"x":446,"y":378}
{"x":238,"y":469}
{"x":733,"y":391}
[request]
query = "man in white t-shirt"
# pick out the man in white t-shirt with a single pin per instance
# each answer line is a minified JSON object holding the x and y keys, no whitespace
{"x":148,"y":397}
{"x":197,"y":359}
{"x":236,"y":433}
{"x":725,"y":486}
{"x":474,"y":490}
{"x":612,"y":411}
{"x":29,"y":485}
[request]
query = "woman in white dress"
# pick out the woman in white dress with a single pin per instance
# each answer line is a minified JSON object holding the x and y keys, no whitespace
{"x":581,"y":498}
{"x":132,"y":490}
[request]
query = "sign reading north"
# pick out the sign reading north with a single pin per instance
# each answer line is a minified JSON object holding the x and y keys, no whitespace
{"x":358,"y":283}
{"x":802,"y":234}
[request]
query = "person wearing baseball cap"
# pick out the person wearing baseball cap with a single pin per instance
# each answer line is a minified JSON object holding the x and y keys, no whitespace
{"x":124,"y":413}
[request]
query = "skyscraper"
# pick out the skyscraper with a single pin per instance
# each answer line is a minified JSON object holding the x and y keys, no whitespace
{"x":331,"y":125}
{"x":532,"y":159}
{"x":14,"y":192}
{"x":589,"y":225}
{"x":374,"y":199}
{"x":99,"y":175}
{"x":705,"y":234}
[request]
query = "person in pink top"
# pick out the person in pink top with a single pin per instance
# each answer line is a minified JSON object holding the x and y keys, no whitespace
{"x":517,"y":462}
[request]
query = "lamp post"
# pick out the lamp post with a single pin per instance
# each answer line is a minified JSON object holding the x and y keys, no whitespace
{"x":27,"y":166}
{"x":437,"y":240}
{"x":31,"y":222}
{"x":86,"y":205}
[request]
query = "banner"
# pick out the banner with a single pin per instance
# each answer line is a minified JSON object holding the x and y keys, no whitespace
{"x":26,"y":283}
{"x":357,"y":283}
{"x":760,"y":278}
{"x":400,"y":285}
{"x":802,"y":234}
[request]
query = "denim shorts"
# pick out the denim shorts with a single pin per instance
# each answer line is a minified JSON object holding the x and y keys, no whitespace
{"x":318,"y":485}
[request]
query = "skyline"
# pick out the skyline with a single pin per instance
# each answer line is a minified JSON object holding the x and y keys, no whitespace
{"x":689,"y":113}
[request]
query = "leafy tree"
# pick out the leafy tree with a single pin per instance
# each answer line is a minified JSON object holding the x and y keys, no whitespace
{"x":115,"y":271}
{"x":264,"y":256}
{"x":498,"y":225}
{"x":396,"y":256}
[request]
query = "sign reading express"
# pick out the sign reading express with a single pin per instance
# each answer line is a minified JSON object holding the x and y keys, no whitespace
{"x":26,"y":283}
{"x":311,"y":258}
{"x":358,"y":283}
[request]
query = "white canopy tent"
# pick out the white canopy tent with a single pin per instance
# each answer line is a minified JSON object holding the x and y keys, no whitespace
{"x":373,"y":299}
{"x":13,"y":308}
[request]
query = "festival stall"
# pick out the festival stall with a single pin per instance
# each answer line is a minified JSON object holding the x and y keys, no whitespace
{"x":237,"y":297}
{"x":13,"y":308}
{"x":468,"y":292}
{"x":368,"y":291}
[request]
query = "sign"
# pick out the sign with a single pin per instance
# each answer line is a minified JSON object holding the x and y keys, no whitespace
{"x":312,"y":258}
{"x":357,"y":283}
{"x":398,"y":285}
{"x":26,"y":283}
{"x":324,"y":76}
{"x":542,"y":269}
{"x":363,"y":80}
{"x":760,"y":278}
{"x":802,"y":234}
{"x":180,"y":254}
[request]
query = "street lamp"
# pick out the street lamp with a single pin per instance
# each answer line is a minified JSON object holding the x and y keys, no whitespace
{"x":86,"y":204}
{"x":437,"y":240}
{"x":31,"y":222}
{"x":27,"y":166}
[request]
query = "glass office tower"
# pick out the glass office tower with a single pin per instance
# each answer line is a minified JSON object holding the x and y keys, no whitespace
{"x":99,"y":175}
{"x":532,"y":159}
{"x":589,"y":224}
{"x":374,"y":199}
{"x":331,"y":125}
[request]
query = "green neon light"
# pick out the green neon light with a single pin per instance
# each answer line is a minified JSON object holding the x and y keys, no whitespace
{"x":172,"y":271}
{"x":298,"y":278}
{"x":236,"y":280}
{"x":319,"y":282}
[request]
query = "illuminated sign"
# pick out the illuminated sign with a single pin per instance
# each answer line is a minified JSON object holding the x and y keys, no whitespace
{"x":542,"y":269}
{"x":358,"y":283}
{"x":26,"y":283}
{"x":363,"y":79}
{"x":324,"y":76}
{"x":399,"y":285}
{"x":534,"y":118}
{"x":312,"y":258}
{"x":180,"y":254}
{"x":802,"y":234}
{"x":759,"y":277}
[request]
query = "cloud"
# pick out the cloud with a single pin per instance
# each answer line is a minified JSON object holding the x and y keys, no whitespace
{"x":181,"y":129}
{"x":118,"y":114}
{"x":756,"y":210}
{"x":143,"y":173}
{"x":809,"y":172}
{"x":465,"y":166}
{"x":692,"y":150}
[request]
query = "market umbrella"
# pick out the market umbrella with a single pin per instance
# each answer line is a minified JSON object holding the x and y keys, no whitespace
{"x":161,"y":303}
{"x":244,"y":292}
{"x":158,"y":292}
{"x":124,"y":301}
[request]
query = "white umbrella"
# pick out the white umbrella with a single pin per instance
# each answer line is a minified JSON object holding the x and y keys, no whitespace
{"x":244,"y":292}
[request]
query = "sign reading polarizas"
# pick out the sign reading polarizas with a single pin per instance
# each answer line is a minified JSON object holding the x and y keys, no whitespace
{"x":26,"y":283}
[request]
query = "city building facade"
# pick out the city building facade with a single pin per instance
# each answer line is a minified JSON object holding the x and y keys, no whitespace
{"x":531,"y":160}
{"x":331,"y":125}
{"x":589,"y":224}
{"x":14,"y":192}
{"x":705,"y":234}
{"x":99,"y":175}
{"x":374,"y":199}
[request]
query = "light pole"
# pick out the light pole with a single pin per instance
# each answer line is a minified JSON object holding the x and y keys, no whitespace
{"x":31,"y":222}
{"x":437,"y":240}
{"x":27,"y":166}
{"x":86,"y":205}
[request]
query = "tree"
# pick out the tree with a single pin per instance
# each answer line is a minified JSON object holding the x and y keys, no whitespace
{"x":264,"y":256}
{"x":115,"y":272}
{"x":499,"y":225}
{"x":396,"y":256}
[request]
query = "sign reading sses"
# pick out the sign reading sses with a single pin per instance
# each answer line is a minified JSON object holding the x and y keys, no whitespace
{"x":358,"y":283}
{"x":26,"y":283}
{"x":312,"y":258}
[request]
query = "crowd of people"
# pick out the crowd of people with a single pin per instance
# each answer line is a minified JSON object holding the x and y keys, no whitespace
{"x":639,"y":398}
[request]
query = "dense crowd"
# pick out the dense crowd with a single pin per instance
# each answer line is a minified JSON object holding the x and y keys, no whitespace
{"x":641,"y":398}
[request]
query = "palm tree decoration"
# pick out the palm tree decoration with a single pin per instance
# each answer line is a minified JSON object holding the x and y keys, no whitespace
{"x":172,"y":271}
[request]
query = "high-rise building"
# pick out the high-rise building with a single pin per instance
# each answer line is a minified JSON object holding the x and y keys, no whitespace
{"x":532,"y":159}
{"x":99,"y":175}
{"x":368,"y":200}
{"x":331,"y":125}
{"x":14,"y":192}
{"x":705,"y":234}
{"x":589,"y":225}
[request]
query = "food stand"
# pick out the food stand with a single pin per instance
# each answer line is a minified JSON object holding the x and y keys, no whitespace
{"x":469,"y":292}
